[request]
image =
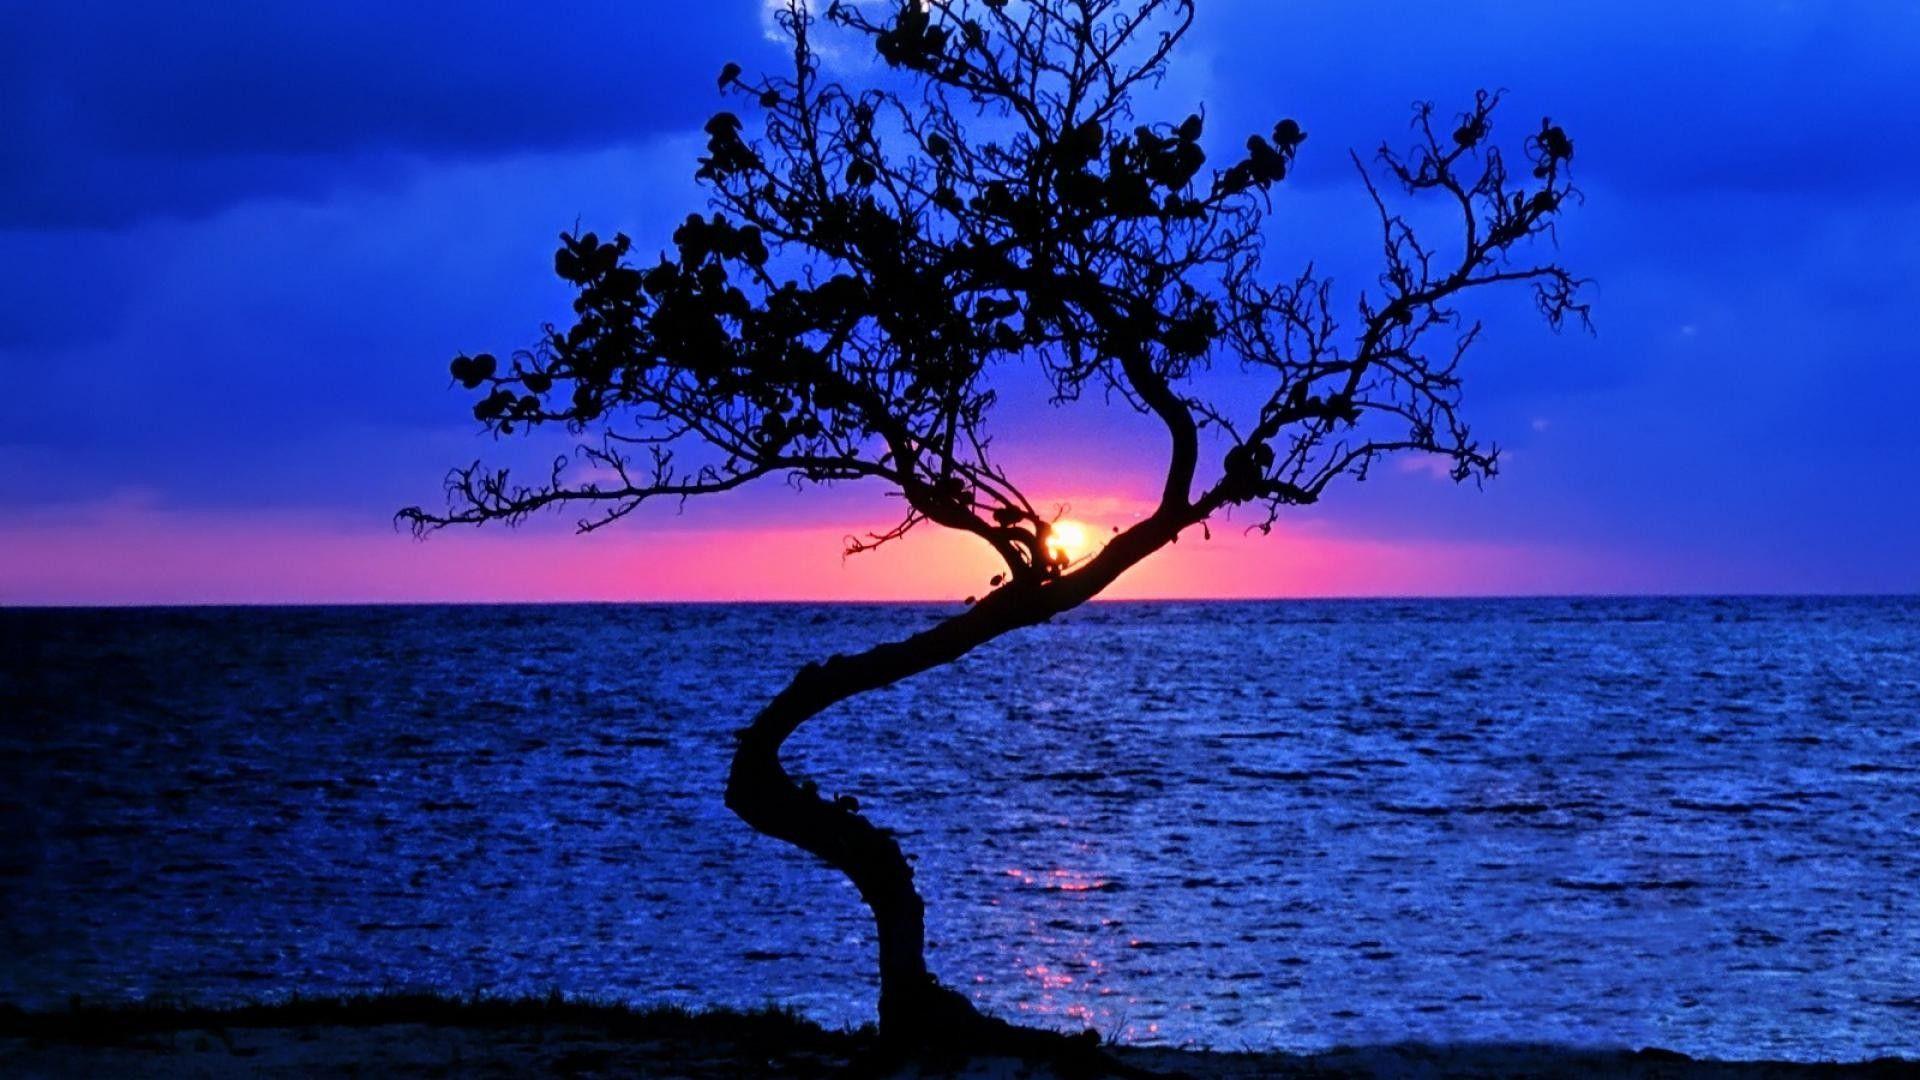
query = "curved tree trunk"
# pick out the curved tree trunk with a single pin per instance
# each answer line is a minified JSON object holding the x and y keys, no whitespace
{"x":915,"y":1011}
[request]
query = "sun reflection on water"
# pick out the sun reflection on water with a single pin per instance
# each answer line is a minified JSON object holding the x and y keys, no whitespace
{"x":1062,"y":974}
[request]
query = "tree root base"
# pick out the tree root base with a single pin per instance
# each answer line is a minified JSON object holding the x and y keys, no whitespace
{"x":941,"y":1030}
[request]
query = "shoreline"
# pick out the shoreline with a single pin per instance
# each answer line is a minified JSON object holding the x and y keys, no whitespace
{"x":429,"y":1035}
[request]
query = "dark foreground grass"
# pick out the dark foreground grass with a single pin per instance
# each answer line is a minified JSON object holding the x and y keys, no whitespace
{"x":424,"y":1035}
{"x":431,"y":1035}
{"x":106,"y":1024}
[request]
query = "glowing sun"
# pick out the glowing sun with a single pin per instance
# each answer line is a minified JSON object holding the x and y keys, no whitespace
{"x":1069,"y":541}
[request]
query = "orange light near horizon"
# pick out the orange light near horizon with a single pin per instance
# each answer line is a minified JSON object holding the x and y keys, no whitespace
{"x":133,"y":553}
{"x":1069,"y":541}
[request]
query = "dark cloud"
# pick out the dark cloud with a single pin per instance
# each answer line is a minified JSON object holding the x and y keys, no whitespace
{"x":119,"y":111}
{"x":1753,"y":95}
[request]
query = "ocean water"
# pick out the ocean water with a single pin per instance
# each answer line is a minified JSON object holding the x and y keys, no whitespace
{"x":1690,"y":823}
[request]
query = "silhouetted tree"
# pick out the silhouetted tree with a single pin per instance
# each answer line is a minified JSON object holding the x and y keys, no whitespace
{"x":990,"y":197}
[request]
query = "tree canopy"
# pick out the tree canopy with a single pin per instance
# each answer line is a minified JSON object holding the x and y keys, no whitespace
{"x":873,"y":253}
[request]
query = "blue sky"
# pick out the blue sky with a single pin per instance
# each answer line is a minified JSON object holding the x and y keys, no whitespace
{"x":242,"y":240}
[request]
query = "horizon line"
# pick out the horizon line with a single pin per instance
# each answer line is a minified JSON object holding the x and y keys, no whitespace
{"x":191,"y":605}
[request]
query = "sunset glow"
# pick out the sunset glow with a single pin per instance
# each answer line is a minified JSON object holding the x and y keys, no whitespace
{"x":429,"y":214}
{"x":1070,"y":541}
{"x":139,"y":554}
